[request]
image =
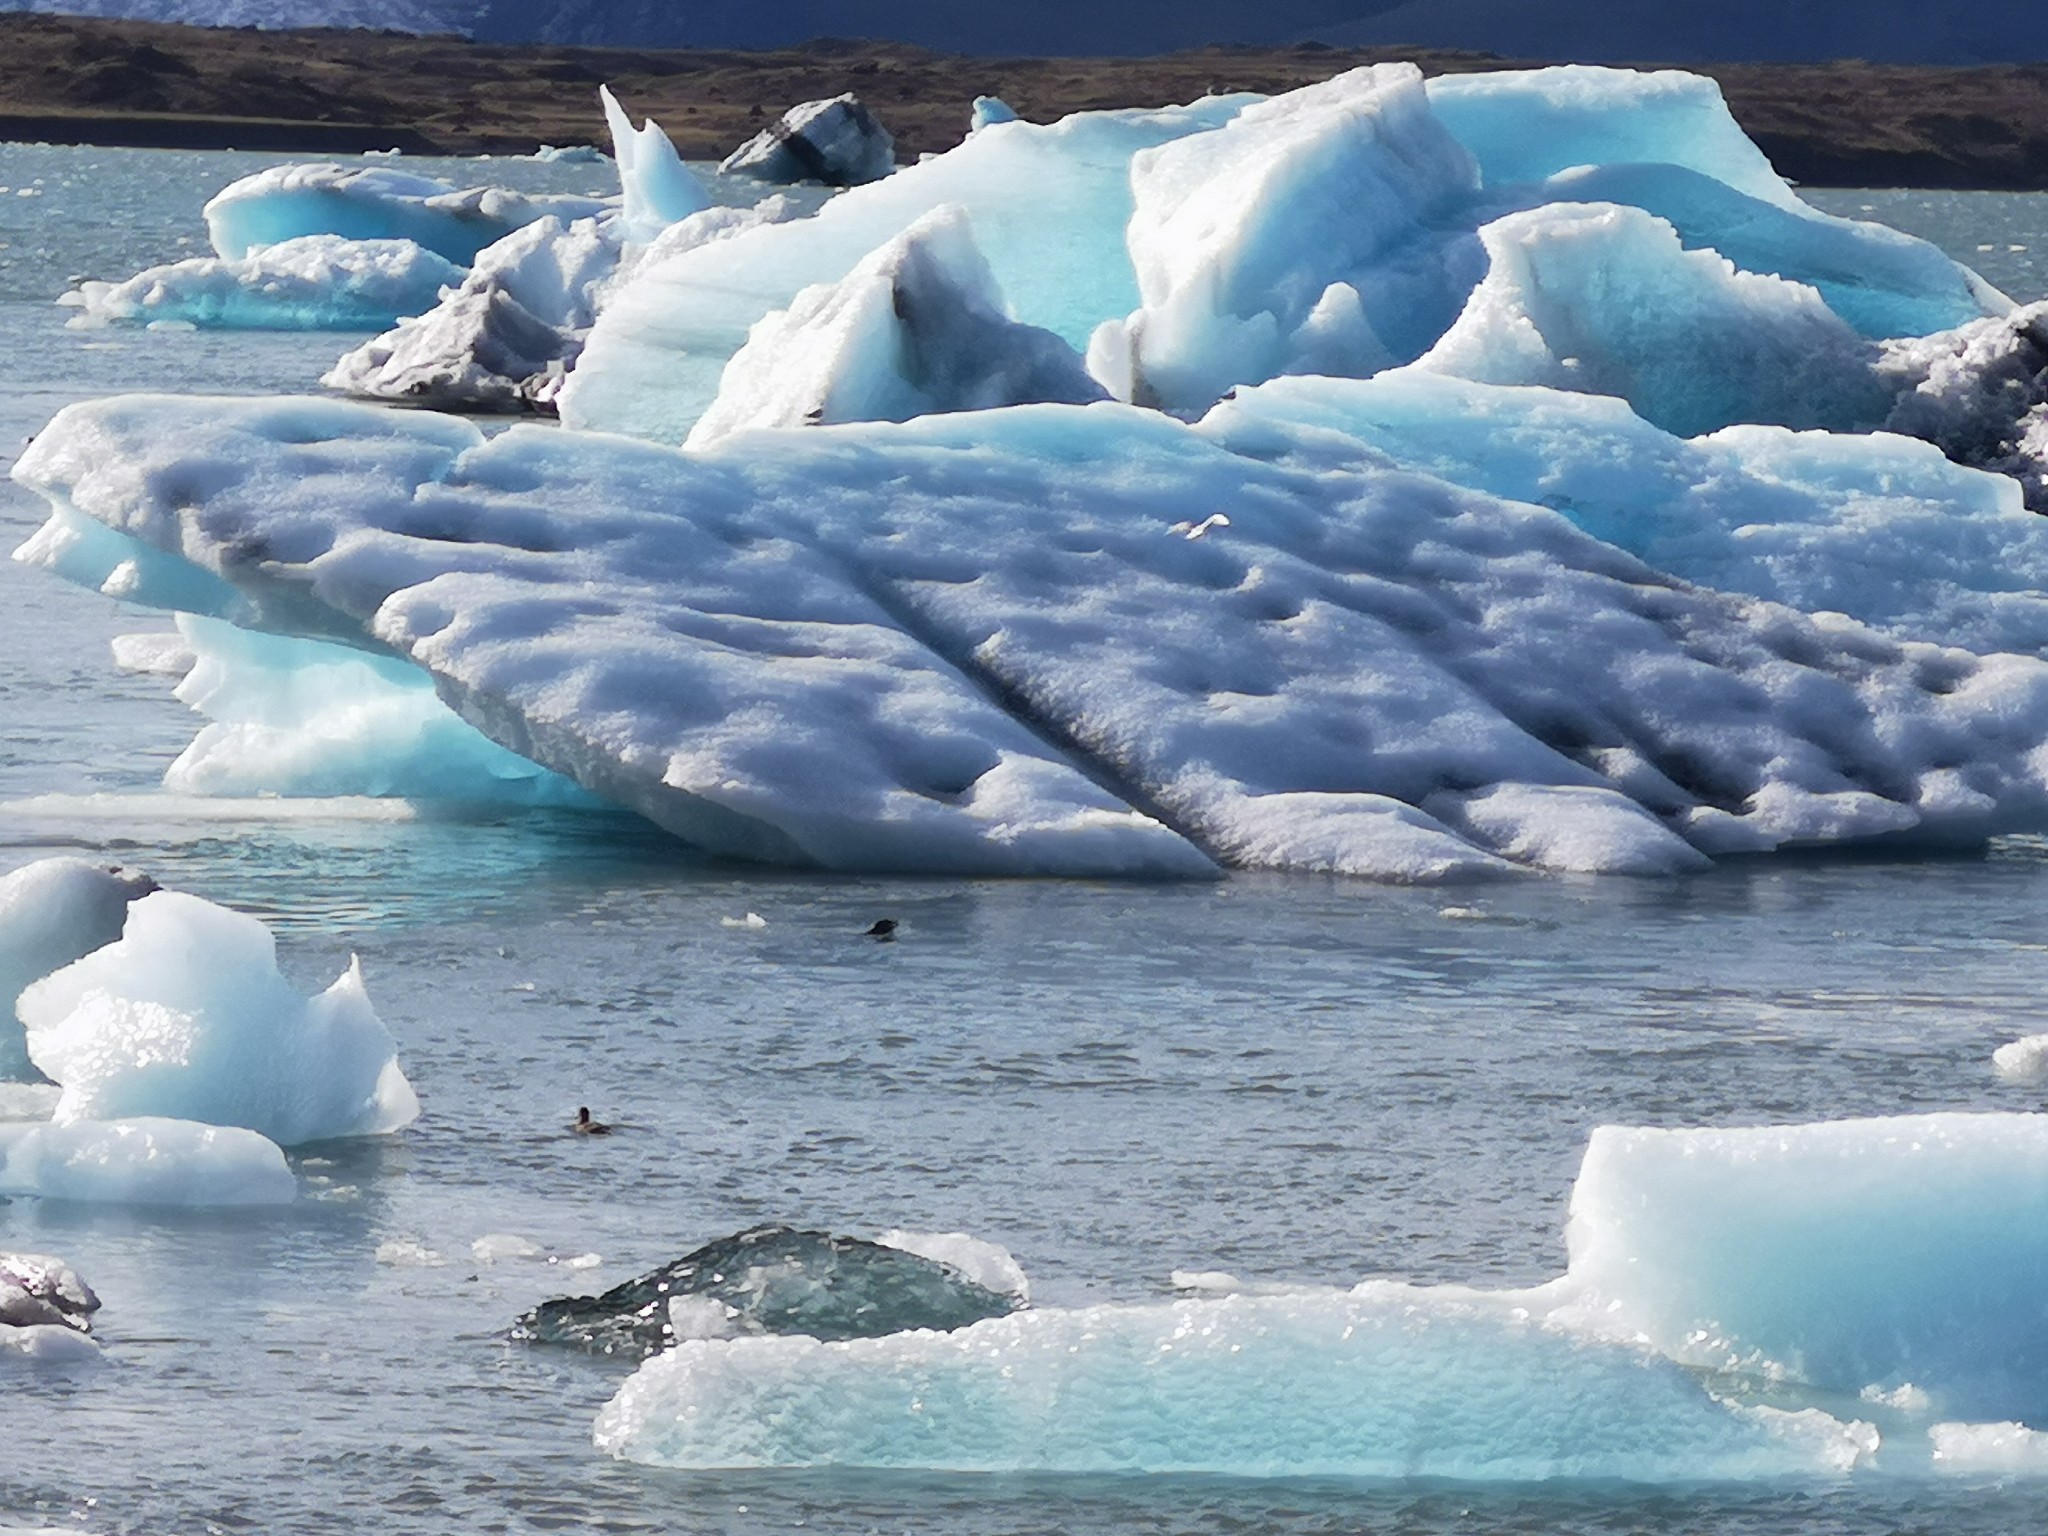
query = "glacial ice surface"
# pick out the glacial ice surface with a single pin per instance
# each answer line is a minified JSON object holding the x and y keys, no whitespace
{"x":185,"y":1017}
{"x":778,"y":1280}
{"x":376,"y":202}
{"x":989,"y":642}
{"x":915,"y":329}
{"x":53,"y":912}
{"x":313,"y":282}
{"x":144,"y":1160}
{"x":1708,"y":1269}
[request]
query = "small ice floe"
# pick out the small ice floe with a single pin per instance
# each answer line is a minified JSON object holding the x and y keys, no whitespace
{"x":569,"y":154}
{"x":2007,"y":1448}
{"x":155,"y":655}
{"x":2023,"y":1061}
{"x":504,"y":1247}
{"x":147,"y":1161}
{"x":38,"y":1290}
{"x":1193,"y":530}
{"x":751,"y":920}
{"x":1905,"y":1398}
{"x":409,"y":1253}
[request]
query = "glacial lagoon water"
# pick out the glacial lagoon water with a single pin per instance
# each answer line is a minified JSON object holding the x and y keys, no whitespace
{"x":1292,"y":1079}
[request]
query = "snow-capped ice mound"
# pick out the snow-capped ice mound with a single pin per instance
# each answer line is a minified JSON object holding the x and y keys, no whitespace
{"x":44,"y":1344}
{"x":53,"y":912}
{"x":1526,"y":125}
{"x":1048,"y":205}
{"x":772,"y":1280}
{"x":186,"y":1017}
{"x":1884,"y":529}
{"x":2024,"y":1060}
{"x":1849,"y":1253}
{"x":315,"y":282}
{"x":311,"y":718}
{"x":917,"y":328}
{"x":146,"y":1160}
{"x":658,"y":188}
{"x":1316,"y":232}
{"x":994,"y":642}
{"x":1981,"y":394}
{"x":1603,"y":299}
{"x":1385,"y":1381}
{"x":837,"y":143}
{"x":507,"y":337}
{"x":37,"y":1290}
{"x":376,"y":202}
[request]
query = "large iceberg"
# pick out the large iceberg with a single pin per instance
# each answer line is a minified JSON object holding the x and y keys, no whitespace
{"x":315,"y":282}
{"x":376,"y":202}
{"x":1058,"y":639}
{"x":53,"y":912}
{"x":917,"y":328}
{"x":186,"y":1018}
{"x":1710,"y":1272}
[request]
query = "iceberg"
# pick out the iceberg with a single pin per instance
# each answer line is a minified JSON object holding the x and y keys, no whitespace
{"x":917,"y":328}
{"x":777,"y":1280}
{"x":1048,"y":204}
{"x":837,"y":142}
{"x":986,"y":642}
{"x":988,"y":111}
{"x":53,"y":912}
{"x":315,"y":282}
{"x":1721,"y":1287}
{"x":186,"y":1018}
{"x":1604,"y":299}
{"x":145,"y":1160}
{"x":658,"y":188}
{"x":1319,"y":231}
{"x":376,"y":202}
{"x":37,"y":1290}
{"x":1881,"y":528}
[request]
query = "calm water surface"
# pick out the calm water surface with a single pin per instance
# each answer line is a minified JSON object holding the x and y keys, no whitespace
{"x":1288,"y":1078}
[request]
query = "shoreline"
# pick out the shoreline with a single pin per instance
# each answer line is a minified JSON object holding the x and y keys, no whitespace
{"x":148,"y":84}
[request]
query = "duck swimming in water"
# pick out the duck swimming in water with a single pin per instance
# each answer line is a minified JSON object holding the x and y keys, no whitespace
{"x":583,"y":1125}
{"x":884,"y":929}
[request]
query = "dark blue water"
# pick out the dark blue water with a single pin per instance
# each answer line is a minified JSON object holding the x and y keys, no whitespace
{"x":1296,"y":1078}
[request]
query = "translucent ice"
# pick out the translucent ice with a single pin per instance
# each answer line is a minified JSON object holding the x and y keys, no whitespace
{"x":314,"y":282}
{"x":658,"y":188}
{"x":916,"y":328}
{"x":186,"y":1016}
{"x":146,"y":1161}
{"x":775,"y":1280}
{"x":375,"y":202}
{"x":1048,"y":205}
{"x":988,"y":111}
{"x":53,"y":912}
{"x":985,"y":642}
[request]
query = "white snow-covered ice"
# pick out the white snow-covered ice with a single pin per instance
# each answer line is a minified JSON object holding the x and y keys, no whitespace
{"x":185,"y":1017}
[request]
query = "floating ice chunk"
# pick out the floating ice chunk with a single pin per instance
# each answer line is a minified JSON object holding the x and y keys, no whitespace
{"x":1882,"y":282}
{"x":751,"y":920}
{"x":187,"y":1016}
{"x":501,"y":1247}
{"x":569,"y":154}
{"x":1845,"y":1253}
{"x":312,"y":283}
{"x":1386,"y":1381}
{"x":2022,"y":1061}
{"x":1603,"y":299}
{"x":409,"y":1253}
{"x":988,"y":111}
{"x":989,"y":1265}
{"x":836,"y":142}
{"x":1310,"y":224}
{"x":917,"y":328}
{"x":27,"y":1101}
{"x":46,"y":1344}
{"x":778,"y":1280}
{"x":37,"y":1290}
{"x":1526,"y":125}
{"x":1905,"y":1398}
{"x":1048,"y":203}
{"x":156,"y":655}
{"x":53,"y":912}
{"x":307,"y":718}
{"x":375,"y":202}
{"x":973,"y":642}
{"x":1884,"y":529}
{"x":2007,"y":1449}
{"x":147,"y":1161}
{"x":659,"y":189}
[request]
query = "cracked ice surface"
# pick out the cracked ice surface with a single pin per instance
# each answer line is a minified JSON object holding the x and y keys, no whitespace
{"x":979,"y":643}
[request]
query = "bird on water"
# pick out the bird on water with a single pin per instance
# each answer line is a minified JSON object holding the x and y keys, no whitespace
{"x":583,"y":1125}
{"x":885,"y":928}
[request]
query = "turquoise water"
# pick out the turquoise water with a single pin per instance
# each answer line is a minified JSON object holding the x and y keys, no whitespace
{"x":1292,"y":1079}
